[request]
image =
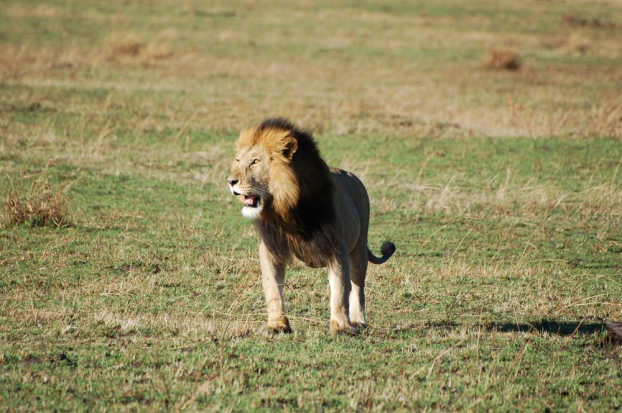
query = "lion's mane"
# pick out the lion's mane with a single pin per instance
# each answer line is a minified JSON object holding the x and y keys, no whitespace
{"x":301,"y":215}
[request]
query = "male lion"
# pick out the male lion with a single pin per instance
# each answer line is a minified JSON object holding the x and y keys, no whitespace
{"x":305,"y":209}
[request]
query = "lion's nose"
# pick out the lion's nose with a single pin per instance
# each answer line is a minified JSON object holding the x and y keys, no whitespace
{"x":232,"y":181}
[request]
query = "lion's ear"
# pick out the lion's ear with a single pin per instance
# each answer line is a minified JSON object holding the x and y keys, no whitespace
{"x":291,"y":146}
{"x":279,"y":142}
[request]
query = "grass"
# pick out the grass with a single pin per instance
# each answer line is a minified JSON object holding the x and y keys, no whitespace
{"x":501,"y":189}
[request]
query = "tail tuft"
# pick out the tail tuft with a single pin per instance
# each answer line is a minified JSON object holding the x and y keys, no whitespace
{"x":388,"y":248}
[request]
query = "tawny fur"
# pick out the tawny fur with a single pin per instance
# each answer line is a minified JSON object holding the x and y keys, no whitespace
{"x":306,"y":210}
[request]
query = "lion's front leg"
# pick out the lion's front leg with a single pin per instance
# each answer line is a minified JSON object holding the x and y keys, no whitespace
{"x":339,"y":280}
{"x":273,"y":278}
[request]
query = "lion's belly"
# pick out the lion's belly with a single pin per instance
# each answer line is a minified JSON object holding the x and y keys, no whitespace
{"x":313,"y":262}
{"x":311,"y":254}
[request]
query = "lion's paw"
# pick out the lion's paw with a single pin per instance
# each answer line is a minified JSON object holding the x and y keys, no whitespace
{"x":279,"y":326}
{"x":337,"y":329}
{"x":359,"y":326}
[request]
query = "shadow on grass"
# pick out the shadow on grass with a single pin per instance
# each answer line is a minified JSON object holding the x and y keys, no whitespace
{"x":552,"y":327}
{"x":560,"y":328}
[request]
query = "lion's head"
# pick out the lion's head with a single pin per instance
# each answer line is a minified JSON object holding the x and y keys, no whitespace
{"x":276,"y":167}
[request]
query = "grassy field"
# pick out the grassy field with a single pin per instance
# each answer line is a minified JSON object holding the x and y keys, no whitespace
{"x":132,"y":281}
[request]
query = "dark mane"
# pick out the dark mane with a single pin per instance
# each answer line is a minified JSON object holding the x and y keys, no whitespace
{"x":309,"y":230}
{"x":277,"y":123}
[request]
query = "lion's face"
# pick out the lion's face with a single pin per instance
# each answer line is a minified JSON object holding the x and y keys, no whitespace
{"x":262,"y":174}
{"x":250,"y":179}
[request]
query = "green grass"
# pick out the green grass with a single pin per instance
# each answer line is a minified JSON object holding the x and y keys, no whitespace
{"x":501,"y":190}
{"x":151,"y":298}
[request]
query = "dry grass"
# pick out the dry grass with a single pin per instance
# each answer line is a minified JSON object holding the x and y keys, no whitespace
{"x":128,"y":49}
{"x":502,"y":60}
{"x":532,"y":200}
{"x":125,"y":46}
{"x":41,"y":204}
{"x":342,"y":79}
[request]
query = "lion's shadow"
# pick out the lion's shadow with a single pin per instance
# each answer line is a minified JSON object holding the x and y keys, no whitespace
{"x":559,"y":328}
{"x":552,"y":327}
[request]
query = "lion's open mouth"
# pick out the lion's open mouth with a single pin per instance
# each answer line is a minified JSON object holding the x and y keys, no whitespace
{"x":251,"y":201}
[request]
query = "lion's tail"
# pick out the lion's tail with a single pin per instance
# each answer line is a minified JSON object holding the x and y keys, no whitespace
{"x":387,"y":249}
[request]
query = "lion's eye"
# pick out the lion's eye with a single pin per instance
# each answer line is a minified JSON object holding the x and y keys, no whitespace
{"x":255,"y":161}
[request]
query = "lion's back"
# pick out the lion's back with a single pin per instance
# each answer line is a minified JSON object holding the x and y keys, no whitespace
{"x":352,"y":199}
{"x":348,"y":182}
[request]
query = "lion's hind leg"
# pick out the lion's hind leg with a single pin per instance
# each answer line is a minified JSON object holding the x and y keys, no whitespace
{"x":358,"y":272}
{"x":339,"y":280}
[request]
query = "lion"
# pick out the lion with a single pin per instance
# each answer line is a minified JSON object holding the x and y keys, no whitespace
{"x":304,"y":209}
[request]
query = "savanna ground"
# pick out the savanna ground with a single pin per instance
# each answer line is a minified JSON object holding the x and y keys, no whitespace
{"x":132,"y":282}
